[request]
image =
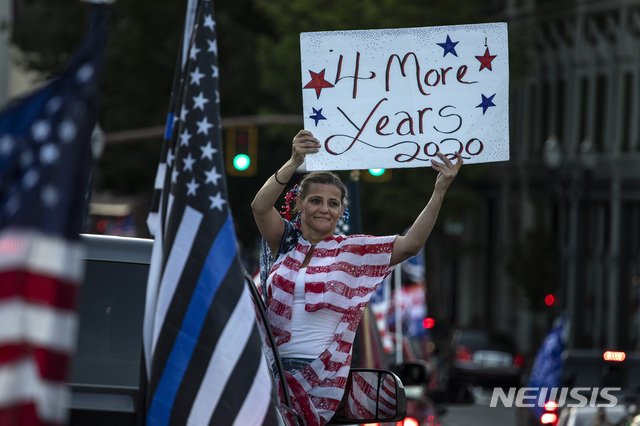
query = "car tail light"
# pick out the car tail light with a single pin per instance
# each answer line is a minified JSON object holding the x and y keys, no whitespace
{"x":614,"y":356}
{"x":408,"y":421}
{"x":518,"y":360}
{"x":550,"y":416}
{"x":463,"y":354}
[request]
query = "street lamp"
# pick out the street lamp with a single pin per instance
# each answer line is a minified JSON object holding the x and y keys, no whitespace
{"x":588,"y":155}
{"x":552,"y":153}
{"x":573,"y":172}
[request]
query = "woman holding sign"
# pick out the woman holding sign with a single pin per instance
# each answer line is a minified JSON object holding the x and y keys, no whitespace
{"x":317,"y":284}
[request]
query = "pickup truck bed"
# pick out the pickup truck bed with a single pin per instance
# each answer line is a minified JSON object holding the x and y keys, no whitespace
{"x":106,"y":367}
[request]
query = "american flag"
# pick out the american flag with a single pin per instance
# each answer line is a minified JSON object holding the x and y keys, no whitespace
{"x":202,"y":348}
{"x":45,"y":167}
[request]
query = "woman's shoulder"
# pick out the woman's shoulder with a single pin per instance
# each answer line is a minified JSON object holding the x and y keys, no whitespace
{"x":290,"y":237}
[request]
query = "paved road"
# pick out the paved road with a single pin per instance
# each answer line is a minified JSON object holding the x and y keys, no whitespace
{"x":479,"y":413}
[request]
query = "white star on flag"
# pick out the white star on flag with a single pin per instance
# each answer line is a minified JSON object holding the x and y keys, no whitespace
{"x":209,"y":22}
{"x":212,"y":176}
{"x":184,"y":138}
{"x":217,"y":202}
{"x":196,"y":76}
{"x":200,"y":100}
{"x":188,"y":163}
{"x":204,"y":126}
{"x":192,"y":186}
{"x":208,"y":151}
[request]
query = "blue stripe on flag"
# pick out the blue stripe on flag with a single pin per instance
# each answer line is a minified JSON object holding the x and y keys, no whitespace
{"x":219,"y":259}
{"x":168,"y":130}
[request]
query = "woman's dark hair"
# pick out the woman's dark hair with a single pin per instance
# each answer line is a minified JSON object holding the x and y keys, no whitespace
{"x":325,"y":178}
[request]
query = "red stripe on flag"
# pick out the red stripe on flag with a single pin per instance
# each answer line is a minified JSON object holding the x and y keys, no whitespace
{"x":23,"y":414}
{"x":53,"y":365}
{"x":355,"y":249}
{"x":352,"y":268}
{"x":38,"y":289}
{"x":320,"y":287}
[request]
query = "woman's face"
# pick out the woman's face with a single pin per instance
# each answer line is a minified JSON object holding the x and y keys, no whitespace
{"x":321,"y":209}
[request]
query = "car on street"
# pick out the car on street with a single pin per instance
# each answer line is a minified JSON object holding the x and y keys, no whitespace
{"x":590,"y":416}
{"x":480,"y":357}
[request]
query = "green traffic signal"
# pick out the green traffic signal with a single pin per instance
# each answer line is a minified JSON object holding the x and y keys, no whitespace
{"x":241,"y":162}
{"x":377,"y":175}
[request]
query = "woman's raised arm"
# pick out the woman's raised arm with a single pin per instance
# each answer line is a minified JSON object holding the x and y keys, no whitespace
{"x":410,"y":244}
{"x":266,"y":215}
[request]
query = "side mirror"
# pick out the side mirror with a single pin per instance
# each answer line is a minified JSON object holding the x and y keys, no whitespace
{"x":413,"y":373}
{"x":371,"y":396}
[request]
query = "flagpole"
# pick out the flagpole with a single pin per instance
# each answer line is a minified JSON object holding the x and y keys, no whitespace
{"x":397,"y":287}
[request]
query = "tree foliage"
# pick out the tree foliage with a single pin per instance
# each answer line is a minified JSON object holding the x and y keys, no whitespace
{"x":279,"y":51}
{"x":259,"y":59}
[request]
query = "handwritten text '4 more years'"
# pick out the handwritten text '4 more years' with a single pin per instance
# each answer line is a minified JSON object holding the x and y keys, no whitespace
{"x":408,"y":131}
{"x":432,"y":77}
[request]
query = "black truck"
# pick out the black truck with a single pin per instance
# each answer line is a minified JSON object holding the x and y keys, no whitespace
{"x":107,"y":365}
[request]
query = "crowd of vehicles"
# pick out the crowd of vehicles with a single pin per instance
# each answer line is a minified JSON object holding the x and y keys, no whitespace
{"x":107,"y":366}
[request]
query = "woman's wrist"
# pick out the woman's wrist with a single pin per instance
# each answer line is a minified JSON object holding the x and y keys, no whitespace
{"x":275,"y":176}
{"x":284,"y":174}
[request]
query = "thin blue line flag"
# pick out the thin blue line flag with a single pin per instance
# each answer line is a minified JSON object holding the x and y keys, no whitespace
{"x":202,"y":350}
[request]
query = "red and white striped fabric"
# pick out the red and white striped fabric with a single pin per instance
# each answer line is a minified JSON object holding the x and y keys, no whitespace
{"x":363,"y":399}
{"x":370,"y":398}
{"x":40,"y":277}
{"x":387,"y":404}
{"x":342,"y":274}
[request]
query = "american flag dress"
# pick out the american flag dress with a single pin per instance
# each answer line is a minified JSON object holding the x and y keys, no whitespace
{"x":341,"y":276}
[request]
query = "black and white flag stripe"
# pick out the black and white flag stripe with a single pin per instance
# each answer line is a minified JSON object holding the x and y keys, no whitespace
{"x":202,"y":348}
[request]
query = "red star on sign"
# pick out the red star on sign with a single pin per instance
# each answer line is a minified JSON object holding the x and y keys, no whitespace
{"x":485,"y":60}
{"x":317,"y":82}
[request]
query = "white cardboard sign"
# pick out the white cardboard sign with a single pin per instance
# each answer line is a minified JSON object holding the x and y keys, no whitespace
{"x":394,"y":98}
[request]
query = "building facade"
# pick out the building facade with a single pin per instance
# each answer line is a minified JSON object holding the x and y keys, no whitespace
{"x":574,"y":175}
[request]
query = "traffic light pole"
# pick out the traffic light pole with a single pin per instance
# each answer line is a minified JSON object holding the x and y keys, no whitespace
{"x":134,"y":135}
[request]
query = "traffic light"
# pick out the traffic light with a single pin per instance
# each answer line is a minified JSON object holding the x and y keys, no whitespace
{"x":428,"y":322}
{"x":242,"y":151}
{"x":549,"y":299}
{"x":376,"y":175}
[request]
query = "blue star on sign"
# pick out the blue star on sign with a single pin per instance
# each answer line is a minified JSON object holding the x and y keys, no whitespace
{"x":317,"y":115}
{"x":486,"y":103}
{"x":449,"y":46}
